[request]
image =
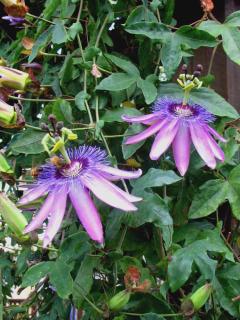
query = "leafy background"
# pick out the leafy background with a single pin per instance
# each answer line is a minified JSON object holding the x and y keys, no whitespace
{"x":186,"y":232}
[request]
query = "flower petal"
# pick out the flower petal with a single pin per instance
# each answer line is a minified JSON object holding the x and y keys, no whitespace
{"x":87,"y":213}
{"x":146,"y":133}
{"x":126,"y":195}
{"x":217,"y":151}
{"x":42,"y":214}
{"x":105,"y":191}
{"x":181,"y":148}
{"x":147,"y":118}
{"x":33,"y":194}
{"x":120,"y":173}
{"x":164,"y":138}
{"x":55,"y":220}
{"x":199,"y":140}
{"x":216,"y":134}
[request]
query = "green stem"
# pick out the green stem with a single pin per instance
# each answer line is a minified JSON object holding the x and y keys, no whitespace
{"x":101,"y":31}
{"x":80,"y":11}
{"x":39,"y":100}
{"x":32,"y":127}
{"x":65,"y":155}
{"x":186,"y":97}
{"x":142,"y":314}
{"x":92,"y":304}
{"x":89,"y":112}
{"x":212,"y":59}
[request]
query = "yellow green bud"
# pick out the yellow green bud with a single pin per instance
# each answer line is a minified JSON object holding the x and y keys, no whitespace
{"x":200,"y":297}
{"x":197,"y":300}
{"x":118,"y":301}
{"x":12,"y":216}
{"x":7,"y":113}
{"x":4,"y":166}
{"x":13,"y":78}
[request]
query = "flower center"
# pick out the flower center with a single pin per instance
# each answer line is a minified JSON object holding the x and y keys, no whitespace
{"x":72,"y":170}
{"x":182,"y":111}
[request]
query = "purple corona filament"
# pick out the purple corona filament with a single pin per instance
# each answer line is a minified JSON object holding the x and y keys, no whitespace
{"x":88,"y":171}
{"x":179,"y":125}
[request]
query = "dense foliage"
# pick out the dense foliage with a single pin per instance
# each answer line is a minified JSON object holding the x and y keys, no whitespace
{"x":99,"y":60}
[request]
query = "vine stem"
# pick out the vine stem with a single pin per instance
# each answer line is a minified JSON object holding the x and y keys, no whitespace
{"x":101,"y":31}
{"x":142,"y":314}
{"x":39,"y":100}
{"x":212,"y":59}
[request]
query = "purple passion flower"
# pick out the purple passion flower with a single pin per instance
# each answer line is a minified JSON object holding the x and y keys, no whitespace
{"x":179,"y":125}
{"x":14,"y":21}
{"x":89,"y":170}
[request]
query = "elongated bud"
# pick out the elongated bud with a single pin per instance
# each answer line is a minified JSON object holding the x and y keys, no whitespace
{"x":197,"y":300}
{"x":12,"y":216}
{"x":4,"y":166}
{"x":14,"y":78}
{"x":118,"y":301}
{"x":200,"y":297}
{"x":7,"y":113}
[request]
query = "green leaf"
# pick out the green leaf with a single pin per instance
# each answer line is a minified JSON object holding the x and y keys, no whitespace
{"x":171,"y":55}
{"x":211,"y":194}
{"x":117,"y":82}
{"x":40,"y":43}
{"x":233,"y":19}
{"x":195,"y":38}
{"x":155,"y":178}
{"x":205,"y":97}
{"x":84,"y":279}
{"x":149,"y":90}
{"x":129,"y":150}
{"x":61,"y":278}
{"x":36,"y":273}
{"x":74,"y":30}
{"x":231,"y":43}
{"x":66,"y":72}
{"x":61,"y":109}
{"x":153,"y":210}
{"x":59,"y":34}
{"x":115,"y":115}
{"x":123,"y":64}
{"x":152,"y":30}
{"x":27,"y":142}
{"x":234,"y":191}
{"x":139,"y":14}
{"x":80,"y":100}
{"x":180,"y":267}
{"x":212,"y":27}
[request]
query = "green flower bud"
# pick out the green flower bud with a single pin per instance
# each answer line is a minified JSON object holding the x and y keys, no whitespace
{"x":14,"y":78}
{"x":200,"y":297}
{"x":118,"y":301}
{"x":4,"y":166}
{"x":12,"y":216}
{"x":197,"y":300}
{"x":7,"y":114}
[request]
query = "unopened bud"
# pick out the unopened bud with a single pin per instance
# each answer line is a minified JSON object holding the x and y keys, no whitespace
{"x":197,"y":300}
{"x":4,"y":166}
{"x":44,"y":126}
{"x":118,"y":301}
{"x":12,"y":216}
{"x":14,"y":78}
{"x":59,"y":125}
{"x":7,"y":113}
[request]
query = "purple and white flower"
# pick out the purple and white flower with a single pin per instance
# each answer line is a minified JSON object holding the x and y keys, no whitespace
{"x":179,"y":125}
{"x":14,"y":21}
{"x":89,"y":170}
